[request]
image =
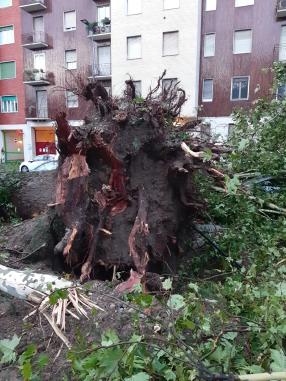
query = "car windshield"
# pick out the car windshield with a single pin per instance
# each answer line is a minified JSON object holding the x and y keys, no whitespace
{"x":41,"y":158}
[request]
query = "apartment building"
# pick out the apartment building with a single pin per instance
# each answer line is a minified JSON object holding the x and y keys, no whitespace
{"x":107,"y":40}
{"x":240,"y":38}
{"x":56,"y":49}
{"x":150,"y":36}
{"x":12,"y":100}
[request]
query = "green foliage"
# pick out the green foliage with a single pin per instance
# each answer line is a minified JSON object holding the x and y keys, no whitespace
{"x":7,"y":348}
{"x":8,"y":185}
{"x":224,"y":320}
{"x":58,"y":294}
{"x":31,"y":364}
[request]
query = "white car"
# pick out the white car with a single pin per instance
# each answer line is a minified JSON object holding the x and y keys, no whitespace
{"x":40,"y":163}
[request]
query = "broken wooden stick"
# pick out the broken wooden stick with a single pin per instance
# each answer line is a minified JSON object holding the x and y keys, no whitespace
{"x":38,"y":289}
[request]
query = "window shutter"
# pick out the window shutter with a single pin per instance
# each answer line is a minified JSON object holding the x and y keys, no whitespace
{"x":134,"y":7}
{"x":7,"y":35}
{"x":5,"y":3}
{"x":242,"y":41}
{"x":71,"y":59}
{"x":209,"y":45}
{"x":170,"y":4}
{"x":243,"y":3}
{"x":70,"y":20}
{"x":207,"y":90}
{"x":210,"y":5}
{"x":134,"y":47}
{"x":9,"y":104}
{"x":170,"y":43}
{"x":7,"y":70}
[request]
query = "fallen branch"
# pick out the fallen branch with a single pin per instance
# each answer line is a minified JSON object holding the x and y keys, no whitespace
{"x":39,"y":288}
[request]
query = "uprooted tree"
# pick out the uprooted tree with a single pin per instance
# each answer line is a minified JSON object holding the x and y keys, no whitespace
{"x":124,"y":194}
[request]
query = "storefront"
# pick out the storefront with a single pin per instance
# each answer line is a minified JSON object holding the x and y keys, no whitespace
{"x":45,"y":141}
{"x":13,"y":145}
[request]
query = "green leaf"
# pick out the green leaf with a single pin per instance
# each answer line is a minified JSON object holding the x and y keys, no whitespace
{"x":143,"y":300}
{"x":7,"y":347}
{"x":26,"y":371}
{"x":142,"y":376}
{"x":176,"y":302}
{"x":232,"y":184}
{"x":58,"y":294}
{"x":242,"y":144}
{"x":42,"y":361}
{"x":109,"y":338}
{"x":278,"y":363}
{"x":193,"y":286}
{"x":167,"y":284}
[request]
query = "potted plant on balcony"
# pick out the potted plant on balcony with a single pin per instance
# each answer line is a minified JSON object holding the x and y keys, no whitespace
{"x":106,"y":21}
{"x":42,"y":75}
{"x":36,"y":75}
{"x":28,"y":75}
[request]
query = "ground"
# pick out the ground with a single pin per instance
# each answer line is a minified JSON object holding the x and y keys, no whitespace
{"x":117,"y":313}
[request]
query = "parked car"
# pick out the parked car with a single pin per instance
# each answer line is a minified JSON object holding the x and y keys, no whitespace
{"x":268,"y":184}
{"x":40,"y":163}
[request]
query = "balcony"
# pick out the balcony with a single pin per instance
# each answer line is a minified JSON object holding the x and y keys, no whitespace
{"x":281,"y":8}
{"x":36,"y":40}
{"x":34,"y":113}
{"x":33,"y":5}
{"x":101,"y":72}
{"x":36,"y":77}
{"x":99,"y":32}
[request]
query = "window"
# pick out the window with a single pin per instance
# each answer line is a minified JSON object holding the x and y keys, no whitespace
{"x":40,"y":61}
{"x":281,"y":92}
{"x":7,"y":70}
{"x":5,"y":3}
{"x":209,"y":45}
{"x":138,"y":88}
{"x":208,"y":85}
{"x":134,"y":7}
{"x":72,"y":100}
{"x":171,"y":4}
{"x":69,"y":20}
{"x":6,"y":35}
{"x":134,"y":47}
{"x":242,"y":41}
{"x":103,"y":13}
{"x":71,"y":59}
{"x":282,"y":44}
{"x":9,"y":104}
{"x":239,"y":88}
{"x":210,"y":5}
{"x":243,"y":3}
{"x":170,"y":43}
{"x":169,"y":83}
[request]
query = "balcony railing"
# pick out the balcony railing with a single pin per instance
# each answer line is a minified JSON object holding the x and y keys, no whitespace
{"x":33,"y":5}
{"x":36,"y":40}
{"x":281,"y":8}
{"x":40,"y":113}
{"x":100,"y":32}
{"x":36,"y":77}
{"x":103,"y":70}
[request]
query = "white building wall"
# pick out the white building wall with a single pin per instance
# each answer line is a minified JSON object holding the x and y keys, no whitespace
{"x":151,"y":24}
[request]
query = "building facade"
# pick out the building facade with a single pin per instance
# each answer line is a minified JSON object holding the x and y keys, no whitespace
{"x":240,"y":41}
{"x":12,"y":93}
{"x":150,"y":36}
{"x":107,"y":40}
{"x":217,"y":49}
